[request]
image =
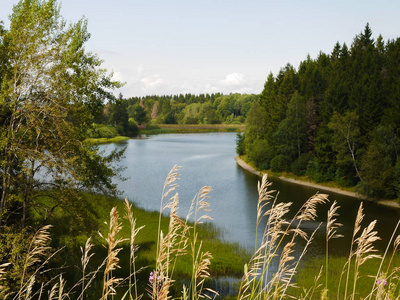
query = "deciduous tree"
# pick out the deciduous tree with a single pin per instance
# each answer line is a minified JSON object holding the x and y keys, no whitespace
{"x":50,"y":90}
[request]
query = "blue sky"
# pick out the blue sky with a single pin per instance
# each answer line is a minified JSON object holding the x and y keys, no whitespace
{"x":205,"y":46}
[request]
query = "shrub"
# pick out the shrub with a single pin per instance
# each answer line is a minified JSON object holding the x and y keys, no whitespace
{"x":106,"y":131}
{"x":317,"y":173}
{"x":279,"y":163}
{"x":299,"y":166}
{"x":260,"y":153}
{"x":152,"y":127}
{"x":240,"y":148}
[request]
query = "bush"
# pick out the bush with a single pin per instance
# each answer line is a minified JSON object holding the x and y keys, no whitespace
{"x":132,"y":129}
{"x":279,"y":163}
{"x":170,"y":118}
{"x":105,"y":131}
{"x":240,"y":149}
{"x":299,"y":166}
{"x":152,"y":127}
{"x":317,"y":173}
{"x":260,"y":154}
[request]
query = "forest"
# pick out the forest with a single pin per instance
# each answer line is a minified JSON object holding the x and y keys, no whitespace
{"x":123,"y":115}
{"x":335,"y":118}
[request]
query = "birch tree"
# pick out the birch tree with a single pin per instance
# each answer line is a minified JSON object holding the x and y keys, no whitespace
{"x":50,"y":90}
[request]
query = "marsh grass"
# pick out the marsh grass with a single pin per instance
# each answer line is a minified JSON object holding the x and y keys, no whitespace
{"x":177,"y":263}
{"x":99,"y":141}
{"x":194,"y":128}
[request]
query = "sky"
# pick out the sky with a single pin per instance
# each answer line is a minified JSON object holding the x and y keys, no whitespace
{"x":168,"y":47}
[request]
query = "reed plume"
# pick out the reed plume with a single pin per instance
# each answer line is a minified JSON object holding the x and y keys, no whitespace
{"x":85,"y":258}
{"x":331,"y":233}
{"x":57,"y":290}
{"x":37,"y":250}
{"x":4,"y":290}
{"x":357,"y":227}
{"x":364,"y":250}
{"x":201,"y":260}
{"x":132,"y":247}
{"x":112,"y":260}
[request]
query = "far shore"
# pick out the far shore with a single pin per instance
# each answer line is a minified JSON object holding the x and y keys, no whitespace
{"x":244,"y":165}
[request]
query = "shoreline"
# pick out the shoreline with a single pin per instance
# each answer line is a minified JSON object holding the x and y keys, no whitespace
{"x":388,"y":203}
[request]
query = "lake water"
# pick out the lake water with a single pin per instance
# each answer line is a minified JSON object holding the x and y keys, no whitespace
{"x":208,"y":159}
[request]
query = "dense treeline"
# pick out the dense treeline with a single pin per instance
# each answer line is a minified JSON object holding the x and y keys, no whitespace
{"x":335,"y":118}
{"x":125,"y":114}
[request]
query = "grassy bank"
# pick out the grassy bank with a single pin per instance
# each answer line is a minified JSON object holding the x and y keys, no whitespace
{"x":71,"y":233}
{"x":269,"y":274}
{"x":194,"y":128}
{"x":98,"y":141}
{"x":366,"y":280}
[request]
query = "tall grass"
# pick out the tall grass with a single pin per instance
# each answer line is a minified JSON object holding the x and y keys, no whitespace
{"x":271,"y":273}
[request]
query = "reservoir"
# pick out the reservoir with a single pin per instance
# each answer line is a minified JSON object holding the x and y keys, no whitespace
{"x":208,"y":160}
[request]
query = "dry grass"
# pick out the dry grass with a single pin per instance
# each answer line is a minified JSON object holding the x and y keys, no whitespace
{"x":260,"y":279}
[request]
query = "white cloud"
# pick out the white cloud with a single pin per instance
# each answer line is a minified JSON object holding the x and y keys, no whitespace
{"x":139,"y":69}
{"x":233,"y":79}
{"x":151,"y":81}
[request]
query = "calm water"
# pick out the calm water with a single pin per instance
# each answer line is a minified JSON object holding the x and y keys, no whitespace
{"x":208,"y":159}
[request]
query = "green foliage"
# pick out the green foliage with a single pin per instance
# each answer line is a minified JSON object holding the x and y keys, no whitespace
{"x":260,"y":153}
{"x":290,"y":136}
{"x":105,"y":131}
{"x":341,"y":110}
{"x":380,"y":158}
{"x":190,"y":109}
{"x":14,"y":245}
{"x":45,"y":118}
{"x":300,"y":165}
{"x":240,"y":150}
{"x":280,"y":163}
{"x":138,"y":113}
{"x":70,"y":233}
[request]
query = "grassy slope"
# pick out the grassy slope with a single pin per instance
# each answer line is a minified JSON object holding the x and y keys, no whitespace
{"x":228,"y":260}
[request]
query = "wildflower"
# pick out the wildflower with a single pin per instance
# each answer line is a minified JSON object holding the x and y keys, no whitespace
{"x":151,"y":278}
{"x":152,"y":275}
{"x":381,"y":281}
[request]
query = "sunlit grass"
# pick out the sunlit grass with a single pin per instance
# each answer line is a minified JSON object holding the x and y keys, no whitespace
{"x":167,"y":256}
{"x":98,"y":141}
{"x":305,"y":279}
{"x":195,"y":128}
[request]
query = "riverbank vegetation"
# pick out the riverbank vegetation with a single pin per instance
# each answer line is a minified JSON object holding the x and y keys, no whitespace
{"x":191,"y":109}
{"x":178,"y":112}
{"x":99,"y":141}
{"x":192,"y":128}
{"x":335,"y":118}
{"x":176,"y":261}
{"x":70,"y":233}
{"x":171,"y":114}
